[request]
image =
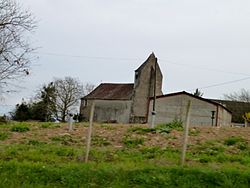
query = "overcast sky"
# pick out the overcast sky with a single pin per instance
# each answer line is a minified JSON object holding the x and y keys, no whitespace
{"x":199,"y":43}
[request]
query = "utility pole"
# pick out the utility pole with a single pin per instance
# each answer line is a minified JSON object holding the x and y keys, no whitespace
{"x":154,"y":112}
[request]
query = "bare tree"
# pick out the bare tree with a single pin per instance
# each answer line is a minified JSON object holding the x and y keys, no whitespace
{"x":87,"y":88}
{"x":68,"y":93}
{"x":15,"y":50}
{"x":243,"y":95}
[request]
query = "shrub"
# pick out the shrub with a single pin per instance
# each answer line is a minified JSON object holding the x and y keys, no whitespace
{"x":49,"y":125}
{"x":100,"y":141}
{"x":132,"y":142}
{"x":233,"y":140}
{"x":68,"y":152}
{"x":142,"y":130}
{"x":3,"y":120}
{"x":194,"y":132}
{"x":166,"y":128}
{"x":34,"y":142}
{"x":3,"y":135}
{"x":205,"y":159}
{"x":63,"y":139}
{"x":46,"y":124}
{"x":20,"y":128}
{"x":242,"y":146}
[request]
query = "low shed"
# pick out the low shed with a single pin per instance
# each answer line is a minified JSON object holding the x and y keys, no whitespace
{"x":204,"y":112}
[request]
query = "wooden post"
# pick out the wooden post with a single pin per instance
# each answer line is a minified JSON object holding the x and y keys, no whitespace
{"x":89,"y":131}
{"x":185,"y":134}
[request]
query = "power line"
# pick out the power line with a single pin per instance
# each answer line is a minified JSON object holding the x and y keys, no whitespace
{"x":137,"y":59}
{"x":204,"y":68}
{"x":163,"y":60}
{"x":87,"y":57}
{"x":223,"y":83}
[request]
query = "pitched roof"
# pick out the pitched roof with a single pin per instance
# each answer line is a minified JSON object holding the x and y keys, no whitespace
{"x":111,"y":91}
{"x":191,"y":95}
{"x":152,"y":56}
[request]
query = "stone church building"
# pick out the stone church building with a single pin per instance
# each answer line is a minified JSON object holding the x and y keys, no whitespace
{"x":125,"y":103}
{"x":132,"y":102}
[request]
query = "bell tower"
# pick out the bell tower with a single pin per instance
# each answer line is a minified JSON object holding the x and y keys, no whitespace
{"x":146,"y":76}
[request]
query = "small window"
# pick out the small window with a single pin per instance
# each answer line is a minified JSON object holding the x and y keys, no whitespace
{"x":85,"y":102}
{"x":136,"y":75}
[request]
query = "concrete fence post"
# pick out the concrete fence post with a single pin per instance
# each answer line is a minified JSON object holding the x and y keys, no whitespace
{"x":89,"y":131}
{"x":185,"y":134}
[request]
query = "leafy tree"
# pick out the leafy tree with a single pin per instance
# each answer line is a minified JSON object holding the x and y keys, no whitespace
{"x":38,"y":111}
{"x":246,"y":117}
{"x":15,"y":49}
{"x":44,"y":108}
{"x":198,"y":93}
{"x":243,"y":95}
{"x":48,"y":101}
{"x":68,"y":93}
{"x":22,"y":112}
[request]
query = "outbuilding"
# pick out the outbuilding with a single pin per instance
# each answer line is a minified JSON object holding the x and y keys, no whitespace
{"x":204,"y":112}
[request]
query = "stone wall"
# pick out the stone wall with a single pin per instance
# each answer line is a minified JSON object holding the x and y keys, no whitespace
{"x":144,"y":88}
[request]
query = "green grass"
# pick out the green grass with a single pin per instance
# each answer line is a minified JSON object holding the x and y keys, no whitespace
{"x":66,"y":139}
{"x":57,"y":161}
{"x":16,"y":174}
{"x":99,"y":141}
{"x":132,"y":142}
{"x":49,"y":125}
{"x":167,"y":127}
{"x":233,"y":140}
{"x":4,"y":135}
{"x":141,"y":130}
{"x":21,"y":127}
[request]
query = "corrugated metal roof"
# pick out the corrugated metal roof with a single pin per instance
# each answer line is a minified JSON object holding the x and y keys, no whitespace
{"x":111,"y":91}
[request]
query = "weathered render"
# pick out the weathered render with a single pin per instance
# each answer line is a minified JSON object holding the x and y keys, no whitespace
{"x":132,"y":103}
{"x":125,"y":103}
{"x":144,"y":88}
{"x":112,"y":103}
{"x":174,"y":106}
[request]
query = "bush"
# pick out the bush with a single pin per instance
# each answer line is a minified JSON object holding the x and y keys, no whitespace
{"x":100,"y":141}
{"x":132,"y":142}
{"x":3,"y":120}
{"x":3,"y":135}
{"x":34,"y":142}
{"x":63,"y":139}
{"x":142,"y":130}
{"x":20,"y":128}
{"x":233,"y":140}
{"x":166,"y":128}
{"x":46,"y":124}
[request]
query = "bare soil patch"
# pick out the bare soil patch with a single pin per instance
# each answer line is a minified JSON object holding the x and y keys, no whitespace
{"x":113,"y":135}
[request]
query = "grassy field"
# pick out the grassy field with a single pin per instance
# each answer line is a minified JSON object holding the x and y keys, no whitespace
{"x":48,"y":155}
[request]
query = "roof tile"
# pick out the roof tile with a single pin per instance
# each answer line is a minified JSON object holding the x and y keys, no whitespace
{"x":111,"y":91}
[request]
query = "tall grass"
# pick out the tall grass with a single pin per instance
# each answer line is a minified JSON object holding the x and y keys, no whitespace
{"x":16,"y":174}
